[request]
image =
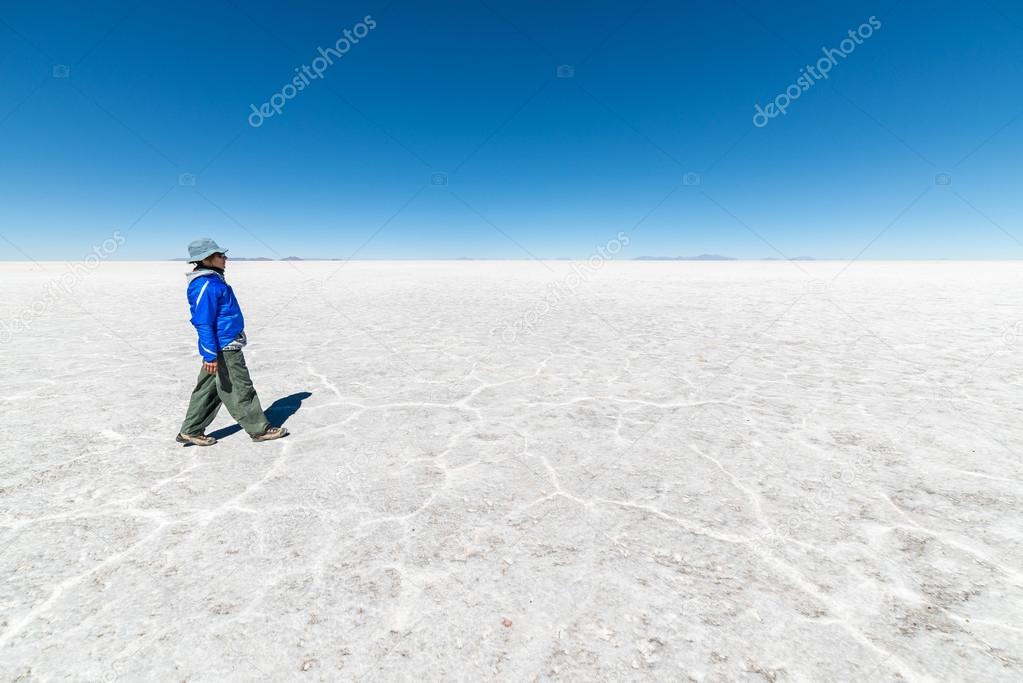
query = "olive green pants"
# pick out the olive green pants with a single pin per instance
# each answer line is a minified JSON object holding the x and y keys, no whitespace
{"x":231,"y":386}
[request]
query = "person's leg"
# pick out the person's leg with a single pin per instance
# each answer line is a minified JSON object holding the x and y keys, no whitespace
{"x":236,"y":391}
{"x":203,"y":406}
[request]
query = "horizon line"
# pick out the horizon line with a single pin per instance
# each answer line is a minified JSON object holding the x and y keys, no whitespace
{"x":639,"y":259}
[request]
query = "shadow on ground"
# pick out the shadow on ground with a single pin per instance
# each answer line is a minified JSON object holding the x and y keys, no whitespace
{"x":277,"y":413}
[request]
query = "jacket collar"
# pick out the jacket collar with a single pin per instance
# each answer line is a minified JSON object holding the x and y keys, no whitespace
{"x":203,"y":271}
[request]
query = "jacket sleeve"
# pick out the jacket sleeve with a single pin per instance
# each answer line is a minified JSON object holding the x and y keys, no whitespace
{"x":206,"y":308}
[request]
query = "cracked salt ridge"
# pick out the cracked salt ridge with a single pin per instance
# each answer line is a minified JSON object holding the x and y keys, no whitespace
{"x":918,"y":655}
{"x":203,"y":519}
{"x":797,"y":578}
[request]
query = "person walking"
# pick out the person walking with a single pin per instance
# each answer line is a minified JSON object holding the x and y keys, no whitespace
{"x":223,"y":378}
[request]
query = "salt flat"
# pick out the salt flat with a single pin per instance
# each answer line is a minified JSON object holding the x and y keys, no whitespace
{"x":501,"y":470}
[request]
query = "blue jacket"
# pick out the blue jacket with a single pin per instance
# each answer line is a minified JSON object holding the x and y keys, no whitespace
{"x":216,"y":315}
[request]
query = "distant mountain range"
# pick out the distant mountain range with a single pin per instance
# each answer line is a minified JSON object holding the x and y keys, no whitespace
{"x":701,"y":257}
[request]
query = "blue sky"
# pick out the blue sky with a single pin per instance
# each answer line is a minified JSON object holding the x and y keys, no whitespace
{"x":534,"y":164}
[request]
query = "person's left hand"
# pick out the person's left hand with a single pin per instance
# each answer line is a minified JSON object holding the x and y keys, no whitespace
{"x":210,"y":367}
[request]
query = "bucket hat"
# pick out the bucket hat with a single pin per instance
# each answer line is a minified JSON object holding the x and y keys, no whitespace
{"x":203,"y":247}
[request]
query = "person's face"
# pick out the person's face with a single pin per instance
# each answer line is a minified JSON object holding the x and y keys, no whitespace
{"x":216,"y":260}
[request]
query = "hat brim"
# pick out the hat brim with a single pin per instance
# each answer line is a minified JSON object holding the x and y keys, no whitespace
{"x":196,"y":259}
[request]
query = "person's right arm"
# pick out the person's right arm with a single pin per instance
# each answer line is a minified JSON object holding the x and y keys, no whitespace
{"x":207,"y":305}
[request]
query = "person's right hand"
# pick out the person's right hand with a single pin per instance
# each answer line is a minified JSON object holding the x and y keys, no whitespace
{"x":210,"y":367}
